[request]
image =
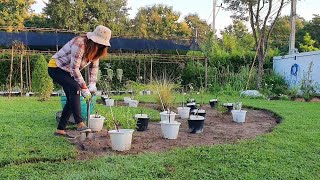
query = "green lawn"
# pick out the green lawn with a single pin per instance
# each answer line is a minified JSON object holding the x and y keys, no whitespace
{"x":291,"y":151}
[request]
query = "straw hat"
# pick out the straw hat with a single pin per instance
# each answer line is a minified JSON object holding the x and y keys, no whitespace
{"x":100,"y":35}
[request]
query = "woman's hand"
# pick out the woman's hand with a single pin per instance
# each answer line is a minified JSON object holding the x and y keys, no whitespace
{"x":92,"y":87}
{"x":86,"y":93}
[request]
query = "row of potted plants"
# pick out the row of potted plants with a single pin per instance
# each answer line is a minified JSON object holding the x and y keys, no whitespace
{"x":127,"y":100}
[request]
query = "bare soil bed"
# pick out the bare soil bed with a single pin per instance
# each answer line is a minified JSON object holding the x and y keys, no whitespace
{"x":218,"y":129}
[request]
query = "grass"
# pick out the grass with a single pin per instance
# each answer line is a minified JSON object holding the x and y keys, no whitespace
{"x":27,"y":128}
{"x":290,"y":151}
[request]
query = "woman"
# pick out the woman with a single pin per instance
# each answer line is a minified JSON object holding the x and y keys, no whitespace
{"x":65,"y":66}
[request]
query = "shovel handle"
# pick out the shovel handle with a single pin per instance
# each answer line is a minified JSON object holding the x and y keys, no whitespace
{"x":88,"y":111}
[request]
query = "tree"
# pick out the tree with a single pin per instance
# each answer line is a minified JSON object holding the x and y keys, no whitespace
{"x":281,"y":33}
{"x":41,"y":82}
{"x":195,"y":23}
{"x":86,"y":15}
{"x":311,"y":27}
{"x":13,"y":13}
{"x":238,"y":36}
{"x":38,"y":21}
{"x":159,"y":21}
{"x":261,"y":12}
{"x":308,"y":44}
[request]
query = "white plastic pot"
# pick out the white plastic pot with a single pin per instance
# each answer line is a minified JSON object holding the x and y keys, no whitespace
{"x":170,"y":130}
{"x":126,"y":100}
{"x":96,"y":124}
{"x":109,"y":102}
{"x":133,"y":103}
{"x":239,"y":116}
{"x":121,"y":140}
{"x":164,"y":116}
{"x":184,"y":112}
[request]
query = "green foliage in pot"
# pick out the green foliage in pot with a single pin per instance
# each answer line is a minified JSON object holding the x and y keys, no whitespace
{"x":164,"y":88}
{"x":41,"y":82}
{"x":136,"y":88}
{"x":120,"y":117}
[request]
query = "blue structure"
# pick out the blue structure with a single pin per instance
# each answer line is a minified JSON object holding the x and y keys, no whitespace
{"x":38,"y":40}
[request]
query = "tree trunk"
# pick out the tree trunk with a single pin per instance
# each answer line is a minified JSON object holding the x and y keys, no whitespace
{"x":260,"y":68}
{"x":21,"y":73}
{"x":11,"y":71}
{"x":29,"y":73}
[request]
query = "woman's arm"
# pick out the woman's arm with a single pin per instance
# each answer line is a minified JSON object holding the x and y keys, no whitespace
{"x":93,"y":71}
{"x":77,"y":51}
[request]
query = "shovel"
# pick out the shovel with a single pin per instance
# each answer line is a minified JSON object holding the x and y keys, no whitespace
{"x":88,"y":135}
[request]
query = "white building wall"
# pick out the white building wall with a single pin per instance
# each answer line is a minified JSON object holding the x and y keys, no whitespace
{"x":282,"y":65}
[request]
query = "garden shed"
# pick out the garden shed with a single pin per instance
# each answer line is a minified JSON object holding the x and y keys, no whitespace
{"x":300,"y":68}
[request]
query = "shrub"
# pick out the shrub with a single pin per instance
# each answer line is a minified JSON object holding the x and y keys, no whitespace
{"x":274,"y":85}
{"x":41,"y":82}
{"x":308,"y":87}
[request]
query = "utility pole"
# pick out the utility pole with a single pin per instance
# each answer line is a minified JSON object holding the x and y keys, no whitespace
{"x":214,"y":16}
{"x":293,"y":16}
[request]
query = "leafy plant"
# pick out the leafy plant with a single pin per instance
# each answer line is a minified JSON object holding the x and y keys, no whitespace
{"x":274,"y":85}
{"x":41,"y":82}
{"x":119,"y":74}
{"x":164,"y":88}
{"x":237,"y":105}
{"x":110,"y":74}
{"x":308,"y":88}
{"x":104,"y":84}
{"x":121,"y":118}
{"x":136,"y":88}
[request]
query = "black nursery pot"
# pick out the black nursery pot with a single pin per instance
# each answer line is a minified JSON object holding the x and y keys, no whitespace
{"x":213,"y":103}
{"x":192,"y":106}
{"x":196,"y":124}
{"x":142,"y":122}
{"x":191,"y":100}
{"x":201,"y":112}
{"x":229,"y":106}
{"x":103,"y":98}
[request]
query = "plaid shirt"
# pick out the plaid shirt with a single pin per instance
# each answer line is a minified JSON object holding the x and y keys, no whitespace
{"x":70,"y":58}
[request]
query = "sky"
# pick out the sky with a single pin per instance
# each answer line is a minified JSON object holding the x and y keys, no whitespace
{"x":305,"y":8}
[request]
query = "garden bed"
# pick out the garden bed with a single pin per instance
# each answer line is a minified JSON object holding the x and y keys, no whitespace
{"x":219,"y":129}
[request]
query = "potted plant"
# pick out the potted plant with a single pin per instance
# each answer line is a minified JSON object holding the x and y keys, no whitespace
{"x":213,"y":102}
{"x":238,"y":115}
{"x":199,"y":111}
{"x":196,"y":123}
{"x":183,"y":111}
{"x":133,"y":102}
{"x":136,"y":89}
{"x":164,"y":87}
{"x":121,"y":138}
{"x":108,"y":100}
{"x":170,"y":128}
{"x":142,"y":121}
{"x":96,"y":122}
{"x":228,"y":106}
{"x":126,"y":100}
